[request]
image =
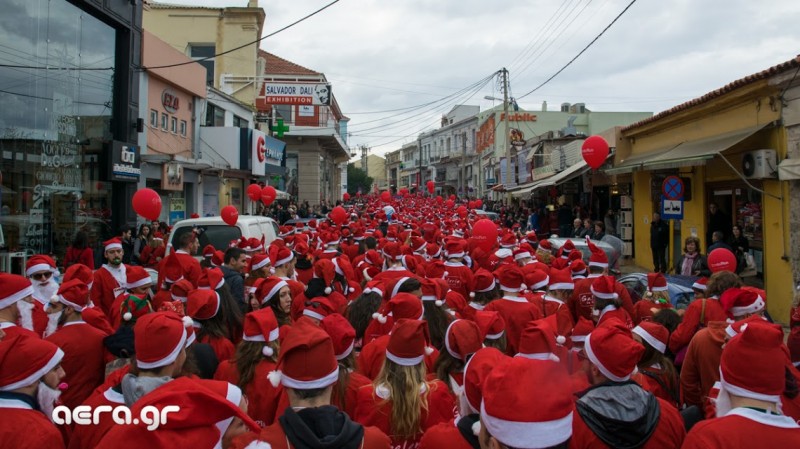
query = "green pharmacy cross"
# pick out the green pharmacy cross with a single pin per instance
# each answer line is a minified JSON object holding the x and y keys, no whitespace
{"x":280,"y":128}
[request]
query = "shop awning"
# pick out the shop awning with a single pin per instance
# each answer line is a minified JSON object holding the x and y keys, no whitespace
{"x":570,"y":173}
{"x":789,"y":170}
{"x":684,"y":154}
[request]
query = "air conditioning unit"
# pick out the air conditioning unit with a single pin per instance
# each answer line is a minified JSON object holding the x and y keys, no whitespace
{"x":760,"y":164}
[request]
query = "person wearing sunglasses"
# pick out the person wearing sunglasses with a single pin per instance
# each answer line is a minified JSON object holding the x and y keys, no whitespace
{"x":40,"y":270}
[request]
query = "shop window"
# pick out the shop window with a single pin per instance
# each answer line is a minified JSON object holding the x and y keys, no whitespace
{"x":215,"y":116}
{"x":164,"y":121}
{"x":200,"y":51}
{"x":183,"y":128}
{"x":173,"y":125}
{"x":239,"y":122}
{"x":153,"y":118}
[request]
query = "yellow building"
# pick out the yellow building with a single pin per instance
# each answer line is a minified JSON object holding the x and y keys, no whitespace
{"x":199,"y":32}
{"x":376,"y":169}
{"x":710,"y":143}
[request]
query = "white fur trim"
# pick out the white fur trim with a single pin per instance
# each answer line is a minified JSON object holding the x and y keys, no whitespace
{"x":312,"y":314}
{"x":69,"y":303}
{"x":346,"y":352}
{"x":578,"y":338}
{"x":428,"y":298}
{"x":113,"y":246}
{"x":487,"y":289}
{"x":494,"y":336}
{"x":745,"y":393}
{"x":323,"y":382}
{"x":261,"y":264}
{"x":187,"y":321}
{"x":140,"y":283}
{"x":524,"y":434}
{"x":560,"y":340}
{"x":179,"y":298}
{"x":169,"y":358}
{"x":274,"y":378}
{"x":562,"y":286}
{"x":412,"y":361}
{"x":650,"y":339}
{"x":593,"y":358}
{"x":541,"y":284}
{"x":699,"y":286}
{"x":522,"y":255}
{"x":598,"y":264}
{"x":756,"y":306}
{"x":602,"y":295}
{"x":769,"y":419}
{"x":398,"y":285}
{"x":37,"y":268}
{"x":258,"y":445}
{"x":540,"y":356}
{"x":13,"y":298}
{"x":272,"y":291}
{"x":38,"y":374}
{"x":659,"y":289}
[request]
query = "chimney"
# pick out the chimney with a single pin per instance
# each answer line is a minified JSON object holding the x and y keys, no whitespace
{"x":445,"y":121}
{"x":544,"y":106}
{"x":252,"y":4}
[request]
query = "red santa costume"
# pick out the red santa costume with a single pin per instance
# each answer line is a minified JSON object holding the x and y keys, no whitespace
{"x":206,"y":409}
{"x":697,"y":315}
{"x":33,"y":316}
{"x":622,"y":413}
{"x":126,"y":302}
{"x":752,"y":368}
{"x":159,"y":338}
{"x":14,"y":289}
{"x":516,"y":311}
{"x":458,"y":275}
{"x":383,"y":320}
{"x":202,"y":306}
{"x":647,"y":306}
{"x":82,"y":343}
{"x":260,"y":327}
{"x":343,"y":337}
{"x":306,"y":341}
{"x":655,"y":378}
{"x":109,"y":280}
{"x":603,"y":287}
{"x":407,"y":347}
{"x":24,"y":361}
{"x":559,"y":280}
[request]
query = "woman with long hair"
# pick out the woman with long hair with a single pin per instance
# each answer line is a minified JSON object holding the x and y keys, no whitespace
{"x":401,"y":402}
{"x":203,"y":307}
{"x":493,"y":329}
{"x":153,"y":252}
{"x":259,"y":268}
{"x":79,"y":251}
{"x":274,"y":293}
{"x":143,"y":237}
{"x":343,"y":337}
{"x":463,"y":338}
{"x":434,"y":313}
{"x":656,"y":374}
{"x":359,"y":312}
{"x":256,"y":355}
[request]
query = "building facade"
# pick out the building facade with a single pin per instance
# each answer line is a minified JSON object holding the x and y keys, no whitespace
{"x":448,"y":152}
{"x":68,"y":138}
{"x":392,"y":169}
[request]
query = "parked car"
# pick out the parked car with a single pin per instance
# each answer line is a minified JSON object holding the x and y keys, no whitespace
{"x":487,"y":214}
{"x":304,"y":222}
{"x":214,"y":231}
{"x":611,"y":251}
{"x":679,"y":287}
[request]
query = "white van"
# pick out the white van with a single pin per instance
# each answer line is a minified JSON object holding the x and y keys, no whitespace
{"x":214,"y":231}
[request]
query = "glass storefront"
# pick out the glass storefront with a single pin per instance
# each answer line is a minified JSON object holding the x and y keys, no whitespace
{"x":56,"y":96}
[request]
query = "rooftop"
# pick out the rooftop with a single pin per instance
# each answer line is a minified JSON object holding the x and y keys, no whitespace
{"x":275,"y":65}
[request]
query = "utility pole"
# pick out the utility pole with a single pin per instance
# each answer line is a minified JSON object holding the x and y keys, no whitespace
{"x":507,"y":149}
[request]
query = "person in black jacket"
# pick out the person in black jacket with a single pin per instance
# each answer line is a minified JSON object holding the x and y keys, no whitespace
{"x":659,"y":241}
{"x":232,"y":269}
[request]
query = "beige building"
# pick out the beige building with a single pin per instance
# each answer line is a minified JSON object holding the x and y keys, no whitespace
{"x":392,"y":168}
{"x":199,"y":32}
{"x":376,"y":169}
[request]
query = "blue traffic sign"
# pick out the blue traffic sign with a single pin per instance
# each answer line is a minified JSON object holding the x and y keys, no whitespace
{"x":673,"y":188}
{"x":672,"y":209}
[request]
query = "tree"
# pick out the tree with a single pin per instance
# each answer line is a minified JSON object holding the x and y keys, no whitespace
{"x":357,"y":179}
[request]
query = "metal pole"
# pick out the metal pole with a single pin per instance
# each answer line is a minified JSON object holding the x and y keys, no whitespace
{"x":507,"y":149}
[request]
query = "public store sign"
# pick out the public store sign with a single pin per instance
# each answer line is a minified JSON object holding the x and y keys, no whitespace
{"x":177,"y":210}
{"x":126,"y":160}
{"x":170,"y":101}
{"x":266,"y":150}
{"x":297,"y":94}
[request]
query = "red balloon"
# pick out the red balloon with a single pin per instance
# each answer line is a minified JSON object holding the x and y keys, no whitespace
{"x":431,"y":186}
{"x":338,"y":215}
{"x":484,"y":234}
{"x":471,"y":205}
{"x":254,"y":192}
{"x":268,"y":195}
{"x":229,"y":215}
{"x":594,"y":151}
{"x":449,"y":204}
{"x":452,"y":197}
{"x":478,"y":203}
{"x":721,"y":260}
{"x":462,"y":211}
{"x":346,"y":196}
{"x":147,"y":203}
{"x":439,"y":199}
{"x":386,"y":196}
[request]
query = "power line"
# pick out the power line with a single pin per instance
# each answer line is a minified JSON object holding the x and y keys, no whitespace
{"x":70,"y":69}
{"x":247,"y":44}
{"x":579,"y":53}
{"x":525,"y":51}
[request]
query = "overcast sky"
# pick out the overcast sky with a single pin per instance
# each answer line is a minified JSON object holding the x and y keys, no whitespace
{"x":389,"y":54}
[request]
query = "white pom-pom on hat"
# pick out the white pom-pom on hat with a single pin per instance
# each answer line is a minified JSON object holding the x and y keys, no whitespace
{"x":127,"y":316}
{"x":444,"y":275}
{"x":54,"y":299}
{"x":272,"y":270}
{"x":561,"y":340}
{"x":381,"y":318}
{"x":328,"y":290}
{"x":428,"y":350}
{"x":471,"y":294}
{"x":187,"y":321}
{"x":274,"y":378}
{"x":352,"y":289}
{"x":439,"y":303}
{"x":258,"y":445}
{"x":267,"y":351}
{"x":476,"y":428}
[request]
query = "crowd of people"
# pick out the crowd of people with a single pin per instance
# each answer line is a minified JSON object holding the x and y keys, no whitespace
{"x":416,"y":326}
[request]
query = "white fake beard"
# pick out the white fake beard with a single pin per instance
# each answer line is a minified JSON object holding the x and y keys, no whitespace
{"x":43,"y":293}
{"x":47,"y":399}
{"x":25,"y":314}
{"x":52,"y":323}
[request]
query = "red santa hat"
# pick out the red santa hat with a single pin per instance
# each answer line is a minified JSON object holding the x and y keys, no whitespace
{"x":318,"y":307}
{"x":654,"y":334}
{"x":418,"y":244}
{"x":342,"y":267}
{"x":392,"y":251}
{"x":217,"y":259}
{"x":503,"y":253}
{"x":462,"y":339}
{"x":561,"y":279}
{"x":734,"y":329}
{"x":455,"y":301}
{"x":212,"y":277}
{"x":81,"y":272}
{"x":476,"y":370}
{"x":739,"y":302}
{"x":431,"y":291}
{"x":158,"y":338}
{"x":536,"y":279}
{"x":114,"y":243}
{"x":179,"y":291}
{"x":656,"y":282}
{"x":483,"y":281}
{"x":753,"y":363}
{"x":73,"y":294}
{"x":510,"y":278}
{"x":136,"y":277}
{"x":538,"y":342}
{"x":612,"y":349}
{"x":13,"y":288}
{"x":393,"y":286}
{"x":545,"y":245}
{"x":202,"y":304}
{"x":402,"y":306}
{"x":433,"y":250}
{"x":409,"y":342}
{"x":256,"y":244}
{"x":39,"y":262}
{"x":508,"y":240}
{"x":454,"y":249}
{"x":258,"y":261}
{"x":280,"y":255}
{"x":436,"y":269}
{"x":325,"y":269}
{"x":134,"y":307}
{"x":307,"y":359}
{"x":700,"y":284}
{"x":566,"y":249}
{"x":577,"y":269}
{"x":491,"y":324}
{"x":531,"y":238}
{"x":173,"y":271}
{"x":597,"y":257}
{"x":374,"y":287}
{"x":261,"y":326}
{"x":268,"y":288}
{"x":342,"y":334}
{"x":527,"y":401}
{"x":25,"y":359}
{"x":520,"y":254}
{"x":208,"y":250}
{"x":583,"y":327}
{"x":604,"y":287}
